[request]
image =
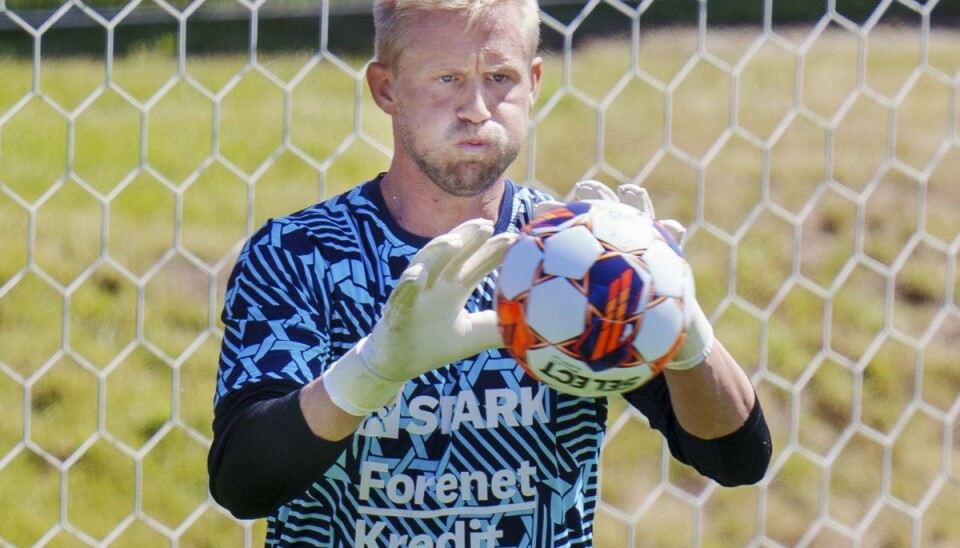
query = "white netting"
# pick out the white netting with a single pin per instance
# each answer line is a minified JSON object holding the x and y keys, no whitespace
{"x":814,"y":161}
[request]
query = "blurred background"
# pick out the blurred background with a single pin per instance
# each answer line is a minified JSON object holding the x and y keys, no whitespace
{"x":812,"y":147}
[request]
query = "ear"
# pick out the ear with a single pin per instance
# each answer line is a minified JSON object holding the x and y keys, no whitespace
{"x":380,"y":79}
{"x":536,"y":71}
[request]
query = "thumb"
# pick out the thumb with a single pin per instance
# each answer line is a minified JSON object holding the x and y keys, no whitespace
{"x":483,"y":333}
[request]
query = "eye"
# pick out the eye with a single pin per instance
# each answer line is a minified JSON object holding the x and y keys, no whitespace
{"x":499,"y":78}
{"x":447,"y":78}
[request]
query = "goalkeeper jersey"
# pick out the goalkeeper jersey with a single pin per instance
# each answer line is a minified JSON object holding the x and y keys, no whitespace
{"x":476,"y":453}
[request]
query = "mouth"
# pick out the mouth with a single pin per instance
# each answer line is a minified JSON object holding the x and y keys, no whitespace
{"x":478,"y":140}
{"x":473,"y":143}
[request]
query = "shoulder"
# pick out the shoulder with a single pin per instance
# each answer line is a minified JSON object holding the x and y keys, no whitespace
{"x":331,"y":223}
{"x":529,"y":194}
{"x":302,"y":245}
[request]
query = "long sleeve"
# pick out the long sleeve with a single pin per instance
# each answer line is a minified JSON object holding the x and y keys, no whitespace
{"x":263,"y":452}
{"x":739,"y":458}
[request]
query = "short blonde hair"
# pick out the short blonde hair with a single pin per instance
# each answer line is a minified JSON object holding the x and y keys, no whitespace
{"x":390,"y":19}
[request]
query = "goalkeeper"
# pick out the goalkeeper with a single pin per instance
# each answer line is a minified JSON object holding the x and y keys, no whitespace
{"x":363,"y":397}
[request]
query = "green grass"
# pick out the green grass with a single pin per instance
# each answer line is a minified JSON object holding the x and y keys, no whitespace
{"x":123,"y":201}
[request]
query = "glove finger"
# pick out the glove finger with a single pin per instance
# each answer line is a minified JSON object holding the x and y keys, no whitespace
{"x":636,"y":196}
{"x":591,"y":190}
{"x":472,"y":236}
{"x":677,"y":230}
{"x":408,"y":289}
{"x":436,"y":255}
{"x":488,"y":257}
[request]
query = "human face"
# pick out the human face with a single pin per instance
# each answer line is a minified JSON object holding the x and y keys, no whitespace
{"x":461,"y":98}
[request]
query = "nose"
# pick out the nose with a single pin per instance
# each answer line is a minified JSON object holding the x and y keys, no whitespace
{"x":473,"y":105}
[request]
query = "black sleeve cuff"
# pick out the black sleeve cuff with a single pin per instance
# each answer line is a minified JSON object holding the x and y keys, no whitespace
{"x":739,"y":458}
{"x":264,"y":453}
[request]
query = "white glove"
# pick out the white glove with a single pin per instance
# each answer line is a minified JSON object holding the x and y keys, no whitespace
{"x":638,"y":197}
{"x":583,"y":190}
{"x":699,"y":339}
{"x":425,"y":324}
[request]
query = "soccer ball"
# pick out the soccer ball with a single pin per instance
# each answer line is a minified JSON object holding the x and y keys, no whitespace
{"x":590,"y":299}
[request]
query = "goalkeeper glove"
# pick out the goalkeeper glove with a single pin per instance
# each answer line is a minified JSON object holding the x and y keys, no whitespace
{"x":425,"y":324}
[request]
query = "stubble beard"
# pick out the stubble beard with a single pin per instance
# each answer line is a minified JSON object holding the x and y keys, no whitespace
{"x":462,"y":178}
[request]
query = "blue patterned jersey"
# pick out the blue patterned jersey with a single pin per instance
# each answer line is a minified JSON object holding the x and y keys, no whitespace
{"x":475,"y":454}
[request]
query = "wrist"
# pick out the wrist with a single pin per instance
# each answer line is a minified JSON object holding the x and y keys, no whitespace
{"x":325,"y":419}
{"x":697,"y":344}
{"x":355,"y":387}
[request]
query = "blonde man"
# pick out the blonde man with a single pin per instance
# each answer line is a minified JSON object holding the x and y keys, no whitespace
{"x":363,"y":396}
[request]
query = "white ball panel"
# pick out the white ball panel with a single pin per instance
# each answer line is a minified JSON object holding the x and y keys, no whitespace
{"x":540,"y":358}
{"x":556,"y":310}
{"x":668,"y":269}
{"x":570,"y":253}
{"x":572,"y":376}
{"x":623,"y":227}
{"x":519,"y":267}
{"x":659,"y":329}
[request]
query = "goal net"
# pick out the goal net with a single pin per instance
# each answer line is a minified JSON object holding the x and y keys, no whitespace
{"x":811,"y":148}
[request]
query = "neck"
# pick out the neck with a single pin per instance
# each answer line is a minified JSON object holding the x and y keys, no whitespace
{"x":422,"y":208}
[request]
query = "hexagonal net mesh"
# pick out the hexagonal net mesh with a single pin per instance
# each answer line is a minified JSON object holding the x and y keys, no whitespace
{"x":814,"y":159}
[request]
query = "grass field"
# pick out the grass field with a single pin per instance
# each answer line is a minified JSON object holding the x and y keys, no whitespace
{"x":820,"y":188}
